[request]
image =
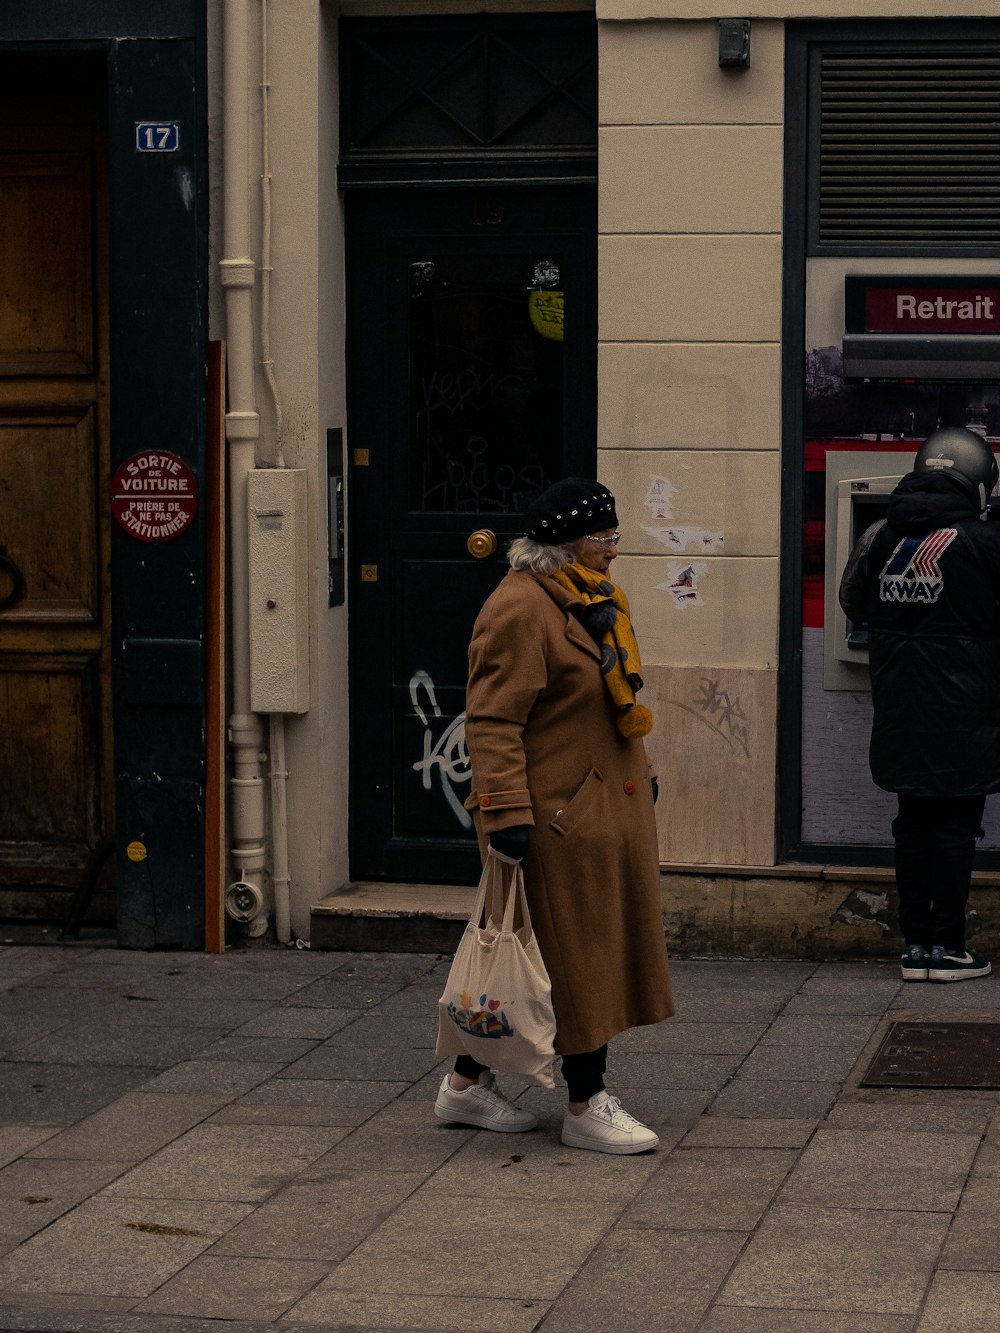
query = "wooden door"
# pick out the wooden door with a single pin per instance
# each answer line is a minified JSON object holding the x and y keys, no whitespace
{"x":473,"y":357}
{"x":55,"y":715}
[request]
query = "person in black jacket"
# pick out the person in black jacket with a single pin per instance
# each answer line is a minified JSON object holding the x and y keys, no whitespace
{"x":927,"y":580}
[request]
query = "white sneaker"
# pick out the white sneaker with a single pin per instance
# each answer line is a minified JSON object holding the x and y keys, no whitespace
{"x":605,"y":1127}
{"x":482,"y":1105}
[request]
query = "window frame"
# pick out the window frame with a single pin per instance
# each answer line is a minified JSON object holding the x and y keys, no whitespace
{"x":804,"y":39}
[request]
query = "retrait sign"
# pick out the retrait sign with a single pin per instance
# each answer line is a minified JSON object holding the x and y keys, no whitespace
{"x":924,"y":305}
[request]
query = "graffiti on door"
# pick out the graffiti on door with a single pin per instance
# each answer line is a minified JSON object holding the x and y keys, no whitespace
{"x":448,"y":755}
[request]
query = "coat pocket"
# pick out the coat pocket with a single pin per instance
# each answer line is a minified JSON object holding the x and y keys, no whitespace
{"x":570,"y":815}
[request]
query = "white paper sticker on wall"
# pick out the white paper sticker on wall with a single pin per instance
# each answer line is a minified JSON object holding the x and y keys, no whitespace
{"x":682,"y":583}
{"x":687,"y":539}
{"x":659,"y":496}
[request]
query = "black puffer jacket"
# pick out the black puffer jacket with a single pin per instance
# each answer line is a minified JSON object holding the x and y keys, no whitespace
{"x":927,"y":580}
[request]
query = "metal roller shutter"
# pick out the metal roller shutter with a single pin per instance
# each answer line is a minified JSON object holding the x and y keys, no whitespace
{"x":906,"y":148}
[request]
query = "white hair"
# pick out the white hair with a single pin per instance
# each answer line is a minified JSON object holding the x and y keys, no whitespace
{"x":527,"y":554}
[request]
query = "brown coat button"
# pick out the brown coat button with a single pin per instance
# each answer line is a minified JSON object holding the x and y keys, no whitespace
{"x":629,"y":788}
{"x":484,"y":801}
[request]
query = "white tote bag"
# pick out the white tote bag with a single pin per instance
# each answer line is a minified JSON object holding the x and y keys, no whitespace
{"x":497,"y":1002}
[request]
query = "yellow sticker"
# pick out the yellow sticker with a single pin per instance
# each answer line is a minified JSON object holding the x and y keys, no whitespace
{"x":546,"y":311}
{"x":136,"y":851}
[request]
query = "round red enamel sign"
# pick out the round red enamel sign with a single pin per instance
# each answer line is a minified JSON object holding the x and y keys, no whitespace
{"x":154,"y":496}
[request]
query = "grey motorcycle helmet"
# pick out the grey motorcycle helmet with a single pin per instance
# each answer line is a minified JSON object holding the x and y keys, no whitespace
{"x":965,"y":455}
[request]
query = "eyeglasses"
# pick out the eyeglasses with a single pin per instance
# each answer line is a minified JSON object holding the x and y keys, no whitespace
{"x":605,"y":542}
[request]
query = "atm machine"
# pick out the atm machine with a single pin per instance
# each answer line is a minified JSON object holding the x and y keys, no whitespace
{"x":858,"y":487}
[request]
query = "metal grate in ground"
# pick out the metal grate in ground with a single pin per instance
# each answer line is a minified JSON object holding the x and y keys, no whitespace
{"x":937,"y":1055}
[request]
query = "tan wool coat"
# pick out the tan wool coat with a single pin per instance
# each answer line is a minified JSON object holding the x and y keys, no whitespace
{"x":545,"y":751}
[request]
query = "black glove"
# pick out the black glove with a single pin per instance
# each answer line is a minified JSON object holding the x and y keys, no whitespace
{"x":512,"y":842}
{"x":656,"y":789}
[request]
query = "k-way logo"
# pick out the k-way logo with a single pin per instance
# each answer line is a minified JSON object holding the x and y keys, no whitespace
{"x":912,"y":572}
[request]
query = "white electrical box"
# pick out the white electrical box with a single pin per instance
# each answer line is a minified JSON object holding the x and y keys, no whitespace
{"x":278,"y":551}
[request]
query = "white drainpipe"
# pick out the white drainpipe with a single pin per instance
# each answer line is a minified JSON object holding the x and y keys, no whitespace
{"x":245,"y":898}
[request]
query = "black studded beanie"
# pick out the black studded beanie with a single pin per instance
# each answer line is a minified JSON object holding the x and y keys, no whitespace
{"x":573,"y":507}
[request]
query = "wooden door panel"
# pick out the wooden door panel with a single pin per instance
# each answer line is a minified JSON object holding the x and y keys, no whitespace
{"x":49,"y":516}
{"x":46,"y":305}
{"x":55,"y":717}
{"x":47,"y":717}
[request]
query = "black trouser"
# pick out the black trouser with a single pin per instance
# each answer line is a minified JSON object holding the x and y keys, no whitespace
{"x":584,"y":1073}
{"x":935,"y":847}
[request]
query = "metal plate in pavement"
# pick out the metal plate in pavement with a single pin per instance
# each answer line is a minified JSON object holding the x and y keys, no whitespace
{"x":937,"y":1055}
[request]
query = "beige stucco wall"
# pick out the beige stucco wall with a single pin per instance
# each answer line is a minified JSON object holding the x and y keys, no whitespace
{"x":306,"y":334}
{"x":308,"y":298}
{"x":690,"y":263}
{"x":690,"y":191}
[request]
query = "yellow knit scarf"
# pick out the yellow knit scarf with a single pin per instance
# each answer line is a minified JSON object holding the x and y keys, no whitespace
{"x":620,"y":662}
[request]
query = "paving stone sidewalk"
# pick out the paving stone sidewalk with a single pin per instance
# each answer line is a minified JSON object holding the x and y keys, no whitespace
{"x":193,"y":1143}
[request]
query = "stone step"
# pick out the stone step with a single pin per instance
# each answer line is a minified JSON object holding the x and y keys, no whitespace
{"x":397,"y":918}
{"x":792,"y":911}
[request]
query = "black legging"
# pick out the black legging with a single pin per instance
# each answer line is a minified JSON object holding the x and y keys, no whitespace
{"x":584,"y":1073}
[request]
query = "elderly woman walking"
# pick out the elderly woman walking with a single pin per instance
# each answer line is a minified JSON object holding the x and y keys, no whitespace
{"x":561,"y":782}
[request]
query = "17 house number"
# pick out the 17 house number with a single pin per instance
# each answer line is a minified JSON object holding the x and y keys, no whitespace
{"x":157,"y":136}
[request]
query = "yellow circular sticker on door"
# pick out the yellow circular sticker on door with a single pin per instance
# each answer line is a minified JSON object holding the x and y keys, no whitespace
{"x":546,"y":311}
{"x":136,"y":851}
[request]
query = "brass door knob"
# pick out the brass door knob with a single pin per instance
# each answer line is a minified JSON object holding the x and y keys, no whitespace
{"x":482,"y":543}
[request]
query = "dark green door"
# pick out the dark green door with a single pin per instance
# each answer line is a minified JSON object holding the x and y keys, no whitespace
{"x":472,"y":363}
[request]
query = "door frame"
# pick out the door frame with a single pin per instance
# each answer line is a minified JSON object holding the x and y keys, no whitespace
{"x":157,"y":248}
{"x":441,"y":123}
{"x":802,"y":37}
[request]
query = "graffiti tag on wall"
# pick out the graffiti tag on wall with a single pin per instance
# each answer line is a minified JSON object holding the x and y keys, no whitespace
{"x":448,"y":755}
{"x":721,"y":712}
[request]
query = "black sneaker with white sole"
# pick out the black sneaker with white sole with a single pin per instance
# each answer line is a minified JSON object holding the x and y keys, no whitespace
{"x":957,"y":964}
{"x":915,"y":962}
